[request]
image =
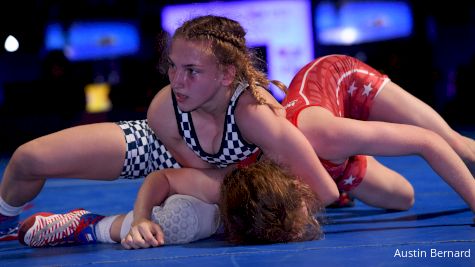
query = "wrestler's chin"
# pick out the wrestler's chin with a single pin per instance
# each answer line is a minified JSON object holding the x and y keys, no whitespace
{"x":186,"y":108}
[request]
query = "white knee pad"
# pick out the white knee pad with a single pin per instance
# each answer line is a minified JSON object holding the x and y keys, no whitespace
{"x":183,"y":219}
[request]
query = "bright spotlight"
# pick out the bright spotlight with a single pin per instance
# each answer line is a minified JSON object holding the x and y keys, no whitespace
{"x":11,"y":44}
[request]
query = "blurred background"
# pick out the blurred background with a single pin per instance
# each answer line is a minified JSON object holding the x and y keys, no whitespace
{"x":65,"y":63}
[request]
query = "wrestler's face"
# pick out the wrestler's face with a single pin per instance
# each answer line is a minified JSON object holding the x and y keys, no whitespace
{"x":196,"y":78}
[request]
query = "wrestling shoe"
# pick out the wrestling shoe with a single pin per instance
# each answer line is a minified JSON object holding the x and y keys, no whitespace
{"x":8,"y":227}
{"x":47,"y":229}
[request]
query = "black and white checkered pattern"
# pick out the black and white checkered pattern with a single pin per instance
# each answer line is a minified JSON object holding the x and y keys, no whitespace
{"x":233,"y":148}
{"x":145,"y":153}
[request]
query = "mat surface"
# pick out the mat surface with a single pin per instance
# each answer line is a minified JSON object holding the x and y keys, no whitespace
{"x":433,"y":233}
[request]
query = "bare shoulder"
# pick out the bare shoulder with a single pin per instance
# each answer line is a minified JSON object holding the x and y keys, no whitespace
{"x":162,"y":101}
{"x":247,"y":97}
{"x":249,"y":106}
{"x":255,"y":121}
{"x":160,"y":110}
{"x":161,"y":117}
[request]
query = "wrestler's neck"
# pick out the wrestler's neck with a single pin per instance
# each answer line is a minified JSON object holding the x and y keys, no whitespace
{"x":215,"y":108}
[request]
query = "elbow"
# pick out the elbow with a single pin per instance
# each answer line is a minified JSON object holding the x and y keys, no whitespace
{"x":326,"y":191}
{"x":329,"y":196}
{"x":332,"y":197}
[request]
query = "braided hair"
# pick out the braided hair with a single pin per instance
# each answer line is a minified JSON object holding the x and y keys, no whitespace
{"x":228,"y":44}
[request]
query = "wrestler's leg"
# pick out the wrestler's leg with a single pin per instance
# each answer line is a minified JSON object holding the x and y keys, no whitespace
{"x":94,"y":151}
{"x":394,"y":104}
{"x":183,"y":219}
{"x":384,"y":188}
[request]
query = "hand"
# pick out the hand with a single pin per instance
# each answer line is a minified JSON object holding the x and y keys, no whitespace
{"x":143,"y":234}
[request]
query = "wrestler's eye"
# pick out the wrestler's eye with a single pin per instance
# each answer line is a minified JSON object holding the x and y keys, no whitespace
{"x":192,"y":71}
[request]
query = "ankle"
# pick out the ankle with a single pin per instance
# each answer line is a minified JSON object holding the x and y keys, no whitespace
{"x":103,"y":229}
{"x":8,"y":210}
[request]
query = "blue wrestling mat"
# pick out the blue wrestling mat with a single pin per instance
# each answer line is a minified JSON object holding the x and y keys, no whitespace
{"x":438,"y":231}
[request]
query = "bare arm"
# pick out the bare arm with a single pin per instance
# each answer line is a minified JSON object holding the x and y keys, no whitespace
{"x":203,"y":184}
{"x":284,"y":143}
{"x":337,"y":138}
{"x":200,"y":183}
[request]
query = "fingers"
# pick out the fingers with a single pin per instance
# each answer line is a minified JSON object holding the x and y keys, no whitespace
{"x":144,"y":235}
{"x":156,"y":235}
{"x":128,"y":242}
{"x":159,"y":236}
{"x":153,"y":235}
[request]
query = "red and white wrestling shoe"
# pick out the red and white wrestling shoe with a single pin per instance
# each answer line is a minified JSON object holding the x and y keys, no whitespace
{"x":47,"y":229}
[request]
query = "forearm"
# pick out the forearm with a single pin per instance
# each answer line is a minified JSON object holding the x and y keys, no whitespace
{"x":154,"y":190}
{"x":305,"y":164}
{"x":408,"y":139}
{"x":200,"y":183}
{"x":319,"y":181}
{"x":451,"y":168}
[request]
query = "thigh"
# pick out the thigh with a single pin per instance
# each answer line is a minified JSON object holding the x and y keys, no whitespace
{"x":394,"y":104}
{"x":94,"y":151}
{"x":384,"y":188}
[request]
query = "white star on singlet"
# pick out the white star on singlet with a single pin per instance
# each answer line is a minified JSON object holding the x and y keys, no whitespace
{"x":367,"y":89}
{"x":349,"y":180}
{"x":352,"y":88}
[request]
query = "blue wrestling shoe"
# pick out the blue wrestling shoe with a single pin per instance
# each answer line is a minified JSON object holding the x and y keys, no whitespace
{"x":47,"y":229}
{"x":8,"y":227}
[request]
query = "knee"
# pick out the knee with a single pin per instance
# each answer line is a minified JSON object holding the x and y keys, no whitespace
{"x":406,"y":204}
{"x":406,"y":199}
{"x":25,"y":161}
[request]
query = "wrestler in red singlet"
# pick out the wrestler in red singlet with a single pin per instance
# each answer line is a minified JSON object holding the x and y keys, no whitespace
{"x":346,"y":87}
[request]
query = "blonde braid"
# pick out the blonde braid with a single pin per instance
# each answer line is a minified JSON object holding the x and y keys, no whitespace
{"x":255,"y":78}
{"x":229,"y":46}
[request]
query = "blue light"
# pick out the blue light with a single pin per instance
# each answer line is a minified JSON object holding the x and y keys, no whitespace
{"x":94,"y":40}
{"x":356,"y":22}
{"x":55,"y":38}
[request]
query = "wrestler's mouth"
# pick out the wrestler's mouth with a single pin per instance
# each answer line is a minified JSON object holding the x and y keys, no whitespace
{"x":180,"y":97}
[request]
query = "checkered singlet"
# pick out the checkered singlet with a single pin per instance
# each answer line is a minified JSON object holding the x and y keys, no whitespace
{"x":233,"y":147}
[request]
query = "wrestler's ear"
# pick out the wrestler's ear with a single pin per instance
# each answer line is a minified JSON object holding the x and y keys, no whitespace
{"x":229,"y":74}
